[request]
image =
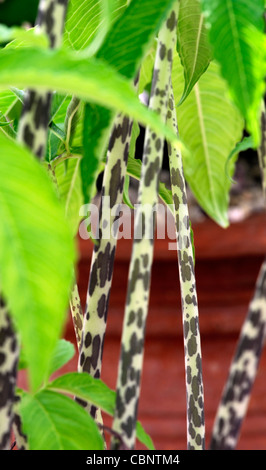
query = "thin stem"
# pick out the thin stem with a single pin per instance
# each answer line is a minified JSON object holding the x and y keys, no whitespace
{"x":192,"y":346}
{"x":101,"y":272}
{"x":9,"y":354}
{"x":243,"y":370}
{"x":133,"y":335}
{"x":21,"y":438}
{"x":33,"y":124}
{"x":77,"y":313}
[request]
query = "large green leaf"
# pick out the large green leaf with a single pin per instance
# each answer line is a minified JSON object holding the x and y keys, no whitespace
{"x":36,"y":255}
{"x":236,"y":34}
{"x":129,"y":38}
{"x":7,"y":99}
{"x":123,"y":48}
{"x":63,"y":352}
{"x":96,"y":129}
{"x":52,"y":421}
{"x":95,"y":391}
{"x":91,"y":79}
{"x":210,"y":126}
{"x":192,"y":43}
{"x":69,"y":189}
{"x":87,"y":18}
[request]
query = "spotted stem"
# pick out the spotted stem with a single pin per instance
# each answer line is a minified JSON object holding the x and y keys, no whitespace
{"x":190,"y":314}
{"x":35,"y":115}
{"x":133,"y":334}
{"x":243,"y":370}
{"x":244,"y":366}
{"x":9,"y":354}
{"x":101,"y":272}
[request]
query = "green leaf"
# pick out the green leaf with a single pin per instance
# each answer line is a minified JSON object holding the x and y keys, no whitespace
{"x":146,"y":69}
{"x":4,"y":123}
{"x":245,"y":144}
{"x":7,"y":98}
{"x":143,"y":437}
{"x":94,"y":391}
{"x":21,"y":37}
{"x":134,"y":135}
{"x":126,"y":198}
{"x":90,"y":79}
{"x":36,"y":255}
{"x":123,"y":48}
{"x":96,"y":128}
{"x":192,"y":43}
{"x":53,"y":421}
{"x":57,"y":104}
{"x":6,"y":128}
{"x":131,"y":155}
{"x":236,"y":34}
{"x":63,"y":352}
{"x":88,"y":21}
{"x":210,"y":126}
{"x":69,"y":189}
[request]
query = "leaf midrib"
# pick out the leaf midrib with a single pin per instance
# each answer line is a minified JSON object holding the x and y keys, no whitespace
{"x":205,"y":145}
{"x":196,"y":50}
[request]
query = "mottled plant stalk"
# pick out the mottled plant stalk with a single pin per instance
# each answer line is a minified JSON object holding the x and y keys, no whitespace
{"x":21,"y":438}
{"x":242,"y":373}
{"x":100,"y":279}
{"x":34,"y":120}
{"x":76,"y":312}
{"x":9,"y":355}
{"x":35,"y":114}
{"x":133,"y":335}
{"x":244,"y":366}
{"x":262,"y":150}
{"x":190,"y":314}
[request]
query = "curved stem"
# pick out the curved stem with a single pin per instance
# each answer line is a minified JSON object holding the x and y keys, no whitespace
{"x":35,"y":114}
{"x":133,"y":335}
{"x":192,"y":345}
{"x":9,"y":354}
{"x":77,"y":313}
{"x":242,"y":373}
{"x":101,"y":272}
